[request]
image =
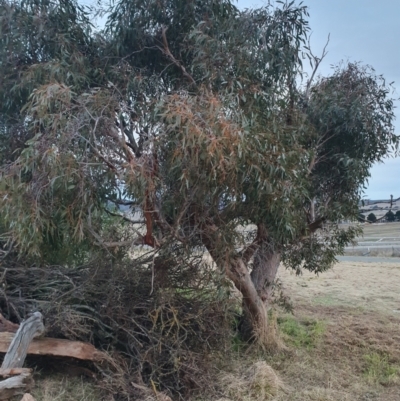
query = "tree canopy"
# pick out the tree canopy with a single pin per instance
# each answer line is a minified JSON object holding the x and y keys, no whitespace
{"x":196,"y":115}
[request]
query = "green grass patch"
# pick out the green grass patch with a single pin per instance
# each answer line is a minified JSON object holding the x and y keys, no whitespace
{"x":301,"y":334}
{"x":378,"y":369}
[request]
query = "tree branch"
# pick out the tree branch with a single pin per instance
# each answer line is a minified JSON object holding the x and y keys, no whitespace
{"x":168,"y":53}
{"x":122,"y":202}
{"x":315,"y":225}
{"x":100,"y":241}
{"x":124,"y":217}
{"x":247,"y":253}
{"x":317,"y":61}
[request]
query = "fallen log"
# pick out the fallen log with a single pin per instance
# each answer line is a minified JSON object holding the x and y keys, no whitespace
{"x":56,"y":347}
{"x":24,"y":342}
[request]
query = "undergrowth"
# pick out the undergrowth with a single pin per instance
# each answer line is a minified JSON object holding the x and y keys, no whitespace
{"x":301,"y":333}
{"x":378,"y":369}
{"x":161,"y":317}
{"x":61,"y":388}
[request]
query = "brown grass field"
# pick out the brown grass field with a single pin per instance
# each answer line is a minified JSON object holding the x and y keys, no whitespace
{"x":379,"y":239}
{"x":382,"y":230}
{"x":356,"y":352}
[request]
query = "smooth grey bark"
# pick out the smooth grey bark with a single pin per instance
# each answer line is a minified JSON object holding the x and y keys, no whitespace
{"x":15,"y":385}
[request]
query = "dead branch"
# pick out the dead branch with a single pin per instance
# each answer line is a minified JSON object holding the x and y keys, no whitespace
{"x":317,"y":61}
{"x":54,"y":347}
{"x":15,"y":385}
{"x":18,"y":348}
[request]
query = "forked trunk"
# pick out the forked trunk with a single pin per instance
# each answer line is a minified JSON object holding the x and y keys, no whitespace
{"x":255,"y":287}
{"x":254,"y":307}
{"x":265,"y":267}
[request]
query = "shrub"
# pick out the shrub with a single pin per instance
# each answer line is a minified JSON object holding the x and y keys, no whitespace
{"x":390,"y":216}
{"x":378,"y":369}
{"x":159,"y":328}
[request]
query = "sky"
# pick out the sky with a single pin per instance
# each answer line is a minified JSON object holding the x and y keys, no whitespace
{"x":366,"y":31}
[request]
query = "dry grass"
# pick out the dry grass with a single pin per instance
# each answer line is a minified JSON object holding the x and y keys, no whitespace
{"x":357,"y":355}
{"x":256,"y":383}
{"x":61,"y":388}
{"x":379,"y":230}
{"x":379,"y":239}
{"x":365,"y":286}
{"x":342,"y":344}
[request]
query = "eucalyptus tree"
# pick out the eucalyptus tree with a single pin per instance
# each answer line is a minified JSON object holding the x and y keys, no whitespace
{"x":191,"y":110}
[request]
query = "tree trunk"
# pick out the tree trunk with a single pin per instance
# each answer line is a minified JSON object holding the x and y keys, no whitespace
{"x":265,"y":267}
{"x":255,"y":287}
{"x":253,"y":306}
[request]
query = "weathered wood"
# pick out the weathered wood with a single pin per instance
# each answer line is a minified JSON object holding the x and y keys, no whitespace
{"x":16,"y":353}
{"x":6,"y":325}
{"x":22,"y":343}
{"x":15,"y":385}
{"x":14,"y":371}
{"x":56,"y":347}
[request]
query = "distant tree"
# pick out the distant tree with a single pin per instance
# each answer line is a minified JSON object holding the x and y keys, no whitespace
{"x":372,"y":218}
{"x":397,"y":215}
{"x":390,"y":216}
